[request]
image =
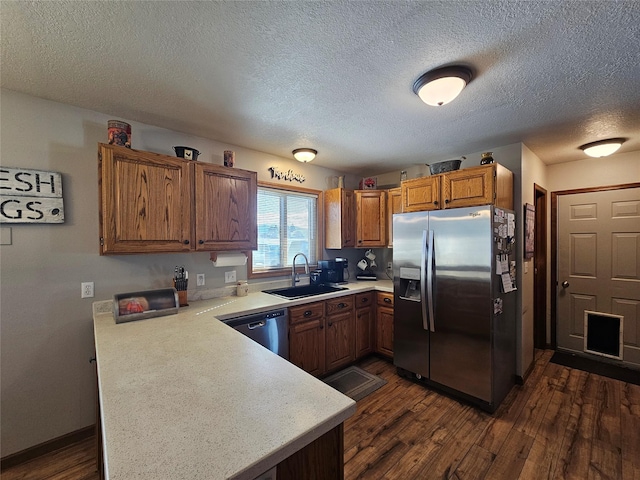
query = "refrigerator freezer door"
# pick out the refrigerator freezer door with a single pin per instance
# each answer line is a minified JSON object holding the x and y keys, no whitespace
{"x":410,"y":337}
{"x":460,"y":356}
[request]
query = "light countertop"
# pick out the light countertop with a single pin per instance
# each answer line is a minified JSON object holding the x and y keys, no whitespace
{"x":186,"y":396}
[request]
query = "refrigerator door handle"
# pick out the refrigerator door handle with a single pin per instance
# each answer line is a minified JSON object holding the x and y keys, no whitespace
{"x":423,"y":280}
{"x":432,"y":318}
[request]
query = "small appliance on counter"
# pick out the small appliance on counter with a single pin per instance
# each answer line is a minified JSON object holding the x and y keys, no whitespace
{"x":330,"y":271}
{"x":131,"y":306}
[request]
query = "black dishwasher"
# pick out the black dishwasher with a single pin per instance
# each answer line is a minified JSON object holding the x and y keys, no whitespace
{"x":269,"y":329}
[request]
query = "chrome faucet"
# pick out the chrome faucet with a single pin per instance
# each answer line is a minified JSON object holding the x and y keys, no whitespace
{"x":295,"y":277}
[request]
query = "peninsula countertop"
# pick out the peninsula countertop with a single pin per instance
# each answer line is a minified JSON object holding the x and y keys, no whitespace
{"x":186,"y":396}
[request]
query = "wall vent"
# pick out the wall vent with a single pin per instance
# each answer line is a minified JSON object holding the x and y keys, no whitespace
{"x":603,"y":334}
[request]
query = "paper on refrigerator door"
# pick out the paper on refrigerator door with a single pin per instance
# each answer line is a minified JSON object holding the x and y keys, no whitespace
{"x":502,"y":265}
{"x":507,"y":284}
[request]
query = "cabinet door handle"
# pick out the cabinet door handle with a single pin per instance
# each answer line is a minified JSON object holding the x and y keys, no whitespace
{"x":330,"y":323}
{"x":387,"y":300}
{"x":201,"y":242}
{"x":186,"y":242}
{"x":321,"y":326}
{"x":446,"y":200}
{"x":308,"y":313}
{"x":342,"y":305}
{"x":435,"y":202}
{"x":365,"y":300}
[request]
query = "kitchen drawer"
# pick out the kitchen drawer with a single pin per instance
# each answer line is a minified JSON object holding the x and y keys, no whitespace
{"x":364,"y":299}
{"x":306,"y":312}
{"x":341,"y":304}
{"x":385,"y":299}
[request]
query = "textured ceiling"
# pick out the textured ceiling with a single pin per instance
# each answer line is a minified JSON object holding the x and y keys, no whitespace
{"x":337,"y":75}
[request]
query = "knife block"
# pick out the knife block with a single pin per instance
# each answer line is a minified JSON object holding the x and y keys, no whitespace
{"x":182,"y":296}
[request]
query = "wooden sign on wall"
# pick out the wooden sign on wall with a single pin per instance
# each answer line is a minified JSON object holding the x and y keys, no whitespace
{"x":30,"y":196}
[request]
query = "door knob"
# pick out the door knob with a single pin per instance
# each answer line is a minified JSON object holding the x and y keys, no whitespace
{"x":565,"y":284}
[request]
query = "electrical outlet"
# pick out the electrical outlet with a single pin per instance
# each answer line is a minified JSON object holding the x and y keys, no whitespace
{"x":86,"y":290}
{"x":389,"y":265}
{"x":200,"y":279}
{"x":230,"y":277}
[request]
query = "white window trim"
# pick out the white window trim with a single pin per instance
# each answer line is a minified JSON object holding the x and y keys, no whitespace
{"x":282,"y":272}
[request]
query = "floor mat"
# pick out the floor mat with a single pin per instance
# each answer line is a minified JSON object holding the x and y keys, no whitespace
{"x":623,"y":374}
{"x":354,"y":382}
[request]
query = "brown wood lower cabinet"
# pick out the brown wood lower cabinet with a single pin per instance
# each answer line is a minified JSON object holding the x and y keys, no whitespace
{"x":340,"y":332}
{"x":322,"y":459}
{"x":322,"y":335}
{"x":339,"y":344}
{"x":326,"y":336}
{"x":365,"y":323}
{"x":307,"y":337}
{"x":384,"y":324}
{"x":307,"y":346}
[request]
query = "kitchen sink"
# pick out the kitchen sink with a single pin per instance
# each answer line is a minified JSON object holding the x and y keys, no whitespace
{"x":303,"y":291}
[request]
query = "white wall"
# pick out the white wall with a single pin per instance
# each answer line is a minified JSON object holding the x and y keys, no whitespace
{"x":533,"y":172}
{"x":617,"y":169}
{"x":47,"y":382}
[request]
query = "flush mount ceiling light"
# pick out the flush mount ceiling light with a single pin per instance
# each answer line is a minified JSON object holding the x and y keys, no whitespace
{"x":602,"y":148}
{"x":304,"y":155}
{"x":438,"y":87}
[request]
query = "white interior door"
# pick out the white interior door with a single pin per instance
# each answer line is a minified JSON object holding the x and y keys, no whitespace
{"x":599,"y":265}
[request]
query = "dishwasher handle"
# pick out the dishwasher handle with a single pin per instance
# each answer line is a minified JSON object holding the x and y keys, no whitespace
{"x":255,"y":325}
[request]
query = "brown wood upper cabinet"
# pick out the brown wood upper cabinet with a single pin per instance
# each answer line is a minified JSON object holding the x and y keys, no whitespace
{"x":483,"y":185}
{"x":340,"y":218}
{"x":225,"y":208}
{"x":394,"y":205}
{"x":371,"y":214}
{"x":152,"y":203}
{"x":420,"y":194}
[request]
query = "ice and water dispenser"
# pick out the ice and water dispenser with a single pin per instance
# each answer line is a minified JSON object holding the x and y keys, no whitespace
{"x":410,"y":284}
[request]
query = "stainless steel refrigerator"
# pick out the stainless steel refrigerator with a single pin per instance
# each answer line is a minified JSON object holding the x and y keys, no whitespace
{"x":454,"y":305}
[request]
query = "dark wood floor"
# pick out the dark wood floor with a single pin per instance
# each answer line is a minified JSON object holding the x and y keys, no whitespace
{"x":562,"y":424}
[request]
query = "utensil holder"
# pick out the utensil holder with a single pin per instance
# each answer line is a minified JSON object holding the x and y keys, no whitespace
{"x":182,"y":296}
